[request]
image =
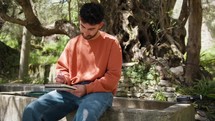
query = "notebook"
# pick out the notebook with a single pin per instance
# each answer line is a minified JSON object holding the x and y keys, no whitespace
{"x":59,"y":87}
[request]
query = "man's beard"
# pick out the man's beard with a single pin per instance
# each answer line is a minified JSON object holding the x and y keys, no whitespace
{"x":89,"y":36}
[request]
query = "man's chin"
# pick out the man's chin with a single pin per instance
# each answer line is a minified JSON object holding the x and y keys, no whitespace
{"x":87,"y":38}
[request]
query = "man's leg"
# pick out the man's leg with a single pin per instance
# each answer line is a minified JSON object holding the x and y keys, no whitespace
{"x":50,"y":107}
{"x":92,"y":106}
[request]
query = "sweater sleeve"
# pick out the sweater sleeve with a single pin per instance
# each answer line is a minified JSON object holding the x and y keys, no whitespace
{"x":62,"y":64}
{"x":109,"y":82}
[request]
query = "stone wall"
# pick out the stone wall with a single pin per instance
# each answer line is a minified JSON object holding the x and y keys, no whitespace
{"x":126,"y":88}
{"x":163,"y":87}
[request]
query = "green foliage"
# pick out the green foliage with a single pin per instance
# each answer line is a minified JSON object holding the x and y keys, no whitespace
{"x":50,"y":52}
{"x":207,"y":90}
{"x":11,"y":35}
{"x":56,"y":10}
{"x":205,"y":87}
{"x":2,"y":81}
{"x":159,"y":96}
{"x":207,"y":60}
{"x":201,"y":87}
{"x":141,"y":73}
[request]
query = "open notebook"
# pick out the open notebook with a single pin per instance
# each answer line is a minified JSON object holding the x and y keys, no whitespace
{"x":59,"y":87}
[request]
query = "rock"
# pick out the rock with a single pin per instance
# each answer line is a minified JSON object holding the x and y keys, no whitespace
{"x":165,"y":83}
{"x":178,"y":71}
{"x":170,"y":89}
{"x":201,"y":116}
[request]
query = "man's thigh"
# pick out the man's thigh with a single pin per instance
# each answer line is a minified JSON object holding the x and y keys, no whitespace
{"x":93,"y":105}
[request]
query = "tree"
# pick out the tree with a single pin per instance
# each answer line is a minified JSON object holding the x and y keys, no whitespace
{"x":31,"y":21}
{"x":24,"y":54}
{"x":194,"y":42}
{"x":146,"y":30}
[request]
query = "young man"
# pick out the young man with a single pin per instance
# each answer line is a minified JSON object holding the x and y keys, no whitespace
{"x":92,"y":63}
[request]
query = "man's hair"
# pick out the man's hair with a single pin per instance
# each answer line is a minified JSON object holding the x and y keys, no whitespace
{"x":92,"y":13}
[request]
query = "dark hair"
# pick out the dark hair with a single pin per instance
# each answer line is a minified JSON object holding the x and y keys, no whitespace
{"x":92,"y":13}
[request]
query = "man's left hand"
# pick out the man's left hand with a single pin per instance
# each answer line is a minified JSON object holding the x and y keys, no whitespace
{"x":80,"y":91}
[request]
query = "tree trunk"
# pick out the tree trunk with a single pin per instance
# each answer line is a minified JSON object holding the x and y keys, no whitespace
{"x":194,"y":42}
{"x":24,"y":55}
{"x":1,"y":23}
{"x":145,"y":29}
{"x":129,"y":21}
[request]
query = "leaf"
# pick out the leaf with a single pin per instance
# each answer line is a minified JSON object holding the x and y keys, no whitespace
{"x":211,"y":96}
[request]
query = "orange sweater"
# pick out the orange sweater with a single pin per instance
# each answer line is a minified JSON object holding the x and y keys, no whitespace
{"x":98,"y":61}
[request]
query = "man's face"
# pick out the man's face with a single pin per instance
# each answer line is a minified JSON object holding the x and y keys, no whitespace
{"x":89,"y":31}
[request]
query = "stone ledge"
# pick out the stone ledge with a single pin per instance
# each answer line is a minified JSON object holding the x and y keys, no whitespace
{"x":20,"y":87}
{"x":124,"y":109}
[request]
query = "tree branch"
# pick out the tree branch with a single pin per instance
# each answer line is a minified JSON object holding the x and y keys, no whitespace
{"x":33,"y":24}
{"x":5,"y":17}
{"x":173,"y":46}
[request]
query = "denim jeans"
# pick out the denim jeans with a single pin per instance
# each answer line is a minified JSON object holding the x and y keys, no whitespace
{"x":56,"y":104}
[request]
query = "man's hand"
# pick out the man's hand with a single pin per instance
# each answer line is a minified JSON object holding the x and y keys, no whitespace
{"x":80,"y":91}
{"x":60,"y":79}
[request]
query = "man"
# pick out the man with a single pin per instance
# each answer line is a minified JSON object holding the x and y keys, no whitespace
{"x":92,"y":63}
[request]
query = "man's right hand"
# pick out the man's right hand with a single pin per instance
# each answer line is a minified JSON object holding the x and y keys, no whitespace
{"x":60,"y":79}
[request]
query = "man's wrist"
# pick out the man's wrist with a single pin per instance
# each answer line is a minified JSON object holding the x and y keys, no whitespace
{"x":85,"y":89}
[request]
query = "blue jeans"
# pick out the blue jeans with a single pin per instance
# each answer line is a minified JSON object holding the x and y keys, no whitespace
{"x":57,"y":104}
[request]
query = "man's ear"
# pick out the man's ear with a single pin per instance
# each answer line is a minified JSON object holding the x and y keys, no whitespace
{"x":101,"y":24}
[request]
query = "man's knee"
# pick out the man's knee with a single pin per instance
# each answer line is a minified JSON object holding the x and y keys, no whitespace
{"x":86,"y":115}
{"x":29,"y":113}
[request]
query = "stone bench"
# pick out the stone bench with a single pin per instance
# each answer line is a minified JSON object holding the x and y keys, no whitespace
{"x":124,"y":109}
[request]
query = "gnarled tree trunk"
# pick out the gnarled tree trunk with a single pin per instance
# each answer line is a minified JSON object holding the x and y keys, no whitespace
{"x":194,"y":41}
{"x":144,"y":28}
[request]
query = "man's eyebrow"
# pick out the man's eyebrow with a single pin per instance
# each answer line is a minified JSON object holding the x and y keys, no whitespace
{"x":82,"y":25}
